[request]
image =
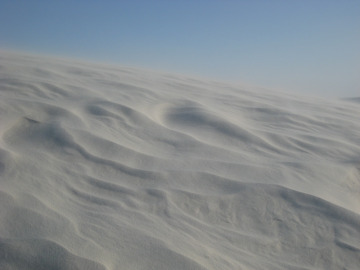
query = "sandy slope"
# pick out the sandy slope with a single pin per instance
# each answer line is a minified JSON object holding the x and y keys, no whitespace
{"x":116,"y":168}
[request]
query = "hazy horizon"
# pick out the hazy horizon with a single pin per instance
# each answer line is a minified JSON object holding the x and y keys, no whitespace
{"x":306,"y":47}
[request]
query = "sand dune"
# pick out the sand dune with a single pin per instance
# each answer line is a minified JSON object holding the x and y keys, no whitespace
{"x":105,"y":167}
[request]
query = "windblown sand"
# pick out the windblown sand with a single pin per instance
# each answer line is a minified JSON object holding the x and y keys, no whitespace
{"x":111,"y":168}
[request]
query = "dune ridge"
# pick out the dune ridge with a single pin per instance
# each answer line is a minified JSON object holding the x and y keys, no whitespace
{"x":105,"y":167}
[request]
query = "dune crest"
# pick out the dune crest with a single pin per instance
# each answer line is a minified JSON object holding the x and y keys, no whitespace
{"x":107,"y":168}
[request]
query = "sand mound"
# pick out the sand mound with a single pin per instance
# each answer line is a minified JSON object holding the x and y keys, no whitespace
{"x":113,"y":168}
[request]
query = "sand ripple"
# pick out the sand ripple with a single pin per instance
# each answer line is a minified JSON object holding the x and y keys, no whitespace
{"x":115,"y":168}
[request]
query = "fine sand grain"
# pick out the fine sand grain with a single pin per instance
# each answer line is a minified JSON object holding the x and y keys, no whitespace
{"x":107,"y":168}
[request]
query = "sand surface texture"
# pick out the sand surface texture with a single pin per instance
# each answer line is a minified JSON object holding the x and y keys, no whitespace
{"x":111,"y":168}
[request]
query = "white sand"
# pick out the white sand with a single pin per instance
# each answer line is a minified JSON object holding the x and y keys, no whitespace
{"x":117,"y":168}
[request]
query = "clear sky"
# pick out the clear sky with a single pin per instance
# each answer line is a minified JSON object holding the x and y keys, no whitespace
{"x":309,"y":46}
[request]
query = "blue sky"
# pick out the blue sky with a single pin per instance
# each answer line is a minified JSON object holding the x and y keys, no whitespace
{"x":308,"y":46}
